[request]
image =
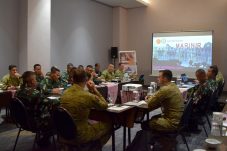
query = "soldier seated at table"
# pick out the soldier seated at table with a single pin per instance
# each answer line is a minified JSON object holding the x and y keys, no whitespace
{"x":97,"y":69}
{"x":169,"y":98}
{"x":200,"y":90}
{"x":92,"y":75}
{"x":120,"y":71}
{"x":79,"y":104}
{"x":108,"y":74}
{"x":38,"y":73}
{"x":53,"y":84}
{"x":211,"y":75}
{"x":219,"y":77}
{"x":12,"y":80}
{"x":199,"y":95}
{"x":65,"y":74}
{"x":36,"y":105}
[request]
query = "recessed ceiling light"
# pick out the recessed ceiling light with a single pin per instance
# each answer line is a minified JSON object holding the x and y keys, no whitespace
{"x":145,"y":2}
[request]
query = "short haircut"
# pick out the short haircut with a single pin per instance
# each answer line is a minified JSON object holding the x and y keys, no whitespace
{"x":80,"y":66}
{"x":214,"y":69}
{"x":12,"y":66}
{"x":89,"y":66}
{"x":97,"y":64}
{"x":120,"y":64}
{"x":200,"y":71}
{"x":69,"y":64}
{"x":167,"y":74}
{"x":79,"y":75}
{"x":26,"y":76}
{"x":36,"y":65}
{"x":54,"y":69}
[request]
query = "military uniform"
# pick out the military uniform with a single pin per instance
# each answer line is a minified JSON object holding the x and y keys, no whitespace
{"x":212,"y":84}
{"x":39,"y":78}
{"x":119,"y":73}
{"x":198,"y":92}
{"x":170,"y":100}
{"x":107,"y":75}
{"x":65,"y":76}
{"x":98,"y":73}
{"x":79,"y":103}
{"x":220,"y":77}
{"x":47,"y":84}
{"x":37,"y":106}
{"x":8,"y":81}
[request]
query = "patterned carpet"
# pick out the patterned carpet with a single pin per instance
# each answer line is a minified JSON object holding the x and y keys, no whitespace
{"x":8,"y":134}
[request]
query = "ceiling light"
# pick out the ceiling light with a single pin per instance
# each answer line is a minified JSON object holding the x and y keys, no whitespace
{"x":145,"y":2}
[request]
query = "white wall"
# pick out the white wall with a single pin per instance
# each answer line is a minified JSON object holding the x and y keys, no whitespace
{"x":8,"y":34}
{"x":38,"y":39}
{"x":23,"y":35}
{"x":81,"y":32}
{"x":120,"y":28}
{"x":177,"y":15}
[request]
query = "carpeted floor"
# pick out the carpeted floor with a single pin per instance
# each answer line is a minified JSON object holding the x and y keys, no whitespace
{"x":9,"y":131}
{"x":8,"y":134}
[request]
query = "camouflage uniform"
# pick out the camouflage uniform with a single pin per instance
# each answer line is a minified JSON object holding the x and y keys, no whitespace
{"x":119,"y":73}
{"x":47,"y":84}
{"x":170,"y":100}
{"x":79,"y":103}
{"x":65,"y":76}
{"x":199,"y":95}
{"x":107,"y":75}
{"x":212,"y":84}
{"x":37,"y":106}
{"x":8,"y":81}
{"x":98,"y":73}
{"x":39,"y":78}
{"x":198,"y":92}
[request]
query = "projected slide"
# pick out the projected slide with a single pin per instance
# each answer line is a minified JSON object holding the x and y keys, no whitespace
{"x":181,"y":52}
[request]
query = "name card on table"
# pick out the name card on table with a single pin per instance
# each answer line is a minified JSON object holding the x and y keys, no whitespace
{"x":141,"y":104}
{"x":118,"y":109}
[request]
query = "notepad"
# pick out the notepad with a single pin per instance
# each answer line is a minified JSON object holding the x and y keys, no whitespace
{"x":53,"y":97}
{"x":118,"y":108}
{"x":142,"y":104}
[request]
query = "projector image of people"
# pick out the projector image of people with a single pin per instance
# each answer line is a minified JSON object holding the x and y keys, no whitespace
{"x":182,"y":52}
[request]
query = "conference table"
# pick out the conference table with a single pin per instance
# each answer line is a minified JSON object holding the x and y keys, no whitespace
{"x":134,"y":113}
{"x":223,"y":139}
{"x":123,"y":115}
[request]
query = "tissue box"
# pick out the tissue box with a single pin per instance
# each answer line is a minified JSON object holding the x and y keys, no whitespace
{"x":132,"y":87}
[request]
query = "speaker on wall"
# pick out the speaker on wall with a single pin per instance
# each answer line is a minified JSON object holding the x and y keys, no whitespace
{"x":114,"y":52}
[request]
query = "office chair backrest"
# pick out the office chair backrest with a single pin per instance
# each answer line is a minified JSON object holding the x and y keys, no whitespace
{"x":186,"y":114}
{"x":64,"y":123}
{"x":20,"y":115}
{"x":220,"y":88}
{"x":5,"y":98}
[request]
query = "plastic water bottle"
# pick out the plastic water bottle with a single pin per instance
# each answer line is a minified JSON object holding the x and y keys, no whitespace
{"x":110,"y":99}
{"x":154,"y":86}
{"x":150,"y":91}
{"x":136,"y":96}
{"x":178,"y":80}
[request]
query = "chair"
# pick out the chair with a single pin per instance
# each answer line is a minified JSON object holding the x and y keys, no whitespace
{"x":184,"y":122}
{"x":66,"y":130}
{"x":183,"y":125}
{"x":5,"y":98}
{"x":23,"y":120}
{"x":220,"y":88}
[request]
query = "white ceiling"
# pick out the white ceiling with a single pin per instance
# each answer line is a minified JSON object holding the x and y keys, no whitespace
{"x":122,"y":3}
